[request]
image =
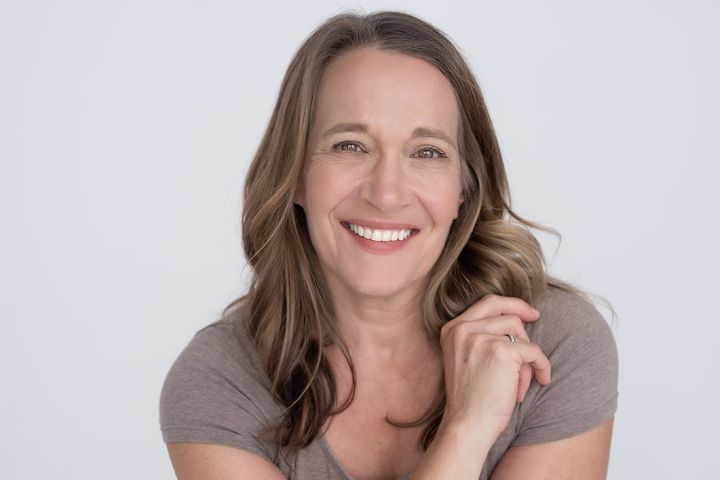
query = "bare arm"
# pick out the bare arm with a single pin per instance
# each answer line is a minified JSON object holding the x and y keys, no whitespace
{"x":201,"y":461}
{"x":583,"y":456}
{"x":453,"y":454}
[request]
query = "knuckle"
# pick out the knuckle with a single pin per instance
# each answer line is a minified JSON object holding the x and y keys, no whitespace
{"x":447,"y":326}
{"x":444,"y":329}
{"x":463,"y":329}
{"x":491,"y":297}
{"x":498,"y":349}
{"x":540,"y":354}
{"x":444,"y":334}
{"x":452,"y":333}
{"x":476,"y":341}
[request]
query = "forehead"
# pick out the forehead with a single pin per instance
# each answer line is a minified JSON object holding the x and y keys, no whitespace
{"x":385,"y":90}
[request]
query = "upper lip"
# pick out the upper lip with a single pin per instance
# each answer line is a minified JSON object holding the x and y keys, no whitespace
{"x":380,"y":224}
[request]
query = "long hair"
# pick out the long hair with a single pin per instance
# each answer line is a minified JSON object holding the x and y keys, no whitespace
{"x":289,"y":312}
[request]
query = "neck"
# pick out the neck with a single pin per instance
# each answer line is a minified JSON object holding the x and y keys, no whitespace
{"x":382,"y":331}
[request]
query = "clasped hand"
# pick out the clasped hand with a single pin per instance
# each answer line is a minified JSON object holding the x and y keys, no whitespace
{"x":486,"y":373}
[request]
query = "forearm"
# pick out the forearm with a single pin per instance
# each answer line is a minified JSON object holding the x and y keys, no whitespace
{"x":453,"y":454}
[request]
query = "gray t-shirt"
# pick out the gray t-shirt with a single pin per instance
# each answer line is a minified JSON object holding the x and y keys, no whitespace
{"x":217,"y":391}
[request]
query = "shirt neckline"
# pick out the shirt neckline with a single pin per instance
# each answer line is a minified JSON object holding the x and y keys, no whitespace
{"x":331,"y":456}
{"x":336,"y":463}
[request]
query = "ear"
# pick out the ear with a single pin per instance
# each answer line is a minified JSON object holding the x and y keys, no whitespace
{"x":299,"y":198}
{"x":460,"y":202}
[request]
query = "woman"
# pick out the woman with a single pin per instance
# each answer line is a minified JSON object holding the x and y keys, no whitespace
{"x":388,"y":330}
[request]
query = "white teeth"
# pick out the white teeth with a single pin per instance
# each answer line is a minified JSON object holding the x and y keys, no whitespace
{"x":378,"y":235}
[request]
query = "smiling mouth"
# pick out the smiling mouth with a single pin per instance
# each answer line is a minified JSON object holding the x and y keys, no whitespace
{"x":380,"y":234}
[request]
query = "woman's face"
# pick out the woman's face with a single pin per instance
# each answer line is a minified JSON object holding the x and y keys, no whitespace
{"x":381,"y":185}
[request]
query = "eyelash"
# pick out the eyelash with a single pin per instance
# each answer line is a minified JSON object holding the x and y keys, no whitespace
{"x":338,"y":147}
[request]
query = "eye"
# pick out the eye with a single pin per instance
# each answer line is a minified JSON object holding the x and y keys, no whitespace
{"x":347,"y":147}
{"x":429,"y":152}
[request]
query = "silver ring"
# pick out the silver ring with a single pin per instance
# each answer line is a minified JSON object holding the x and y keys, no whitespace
{"x":512,"y":338}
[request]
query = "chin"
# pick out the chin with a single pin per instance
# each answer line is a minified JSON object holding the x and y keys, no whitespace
{"x":379,"y":281}
{"x":381,"y":288}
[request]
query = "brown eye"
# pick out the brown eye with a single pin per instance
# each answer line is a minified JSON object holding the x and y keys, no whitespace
{"x":428,"y":152}
{"x":347,"y":147}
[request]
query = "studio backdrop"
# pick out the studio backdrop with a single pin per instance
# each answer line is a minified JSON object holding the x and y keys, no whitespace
{"x":126,"y":129}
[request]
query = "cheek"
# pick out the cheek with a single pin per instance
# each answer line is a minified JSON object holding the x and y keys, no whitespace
{"x":443,"y":211}
{"x":327,"y":182}
{"x":443,"y":201}
{"x":325,"y":189}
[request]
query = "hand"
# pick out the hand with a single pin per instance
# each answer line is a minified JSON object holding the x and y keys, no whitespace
{"x":485,"y":373}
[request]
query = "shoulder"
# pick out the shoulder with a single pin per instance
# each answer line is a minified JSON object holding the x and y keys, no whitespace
{"x":583,"y":391}
{"x":216,"y":391}
{"x":569,"y":323}
{"x":223,"y":347}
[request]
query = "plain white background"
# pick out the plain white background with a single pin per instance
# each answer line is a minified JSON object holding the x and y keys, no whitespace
{"x":125,"y":132}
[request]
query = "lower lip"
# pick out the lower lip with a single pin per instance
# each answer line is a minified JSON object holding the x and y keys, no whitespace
{"x":380,"y":248}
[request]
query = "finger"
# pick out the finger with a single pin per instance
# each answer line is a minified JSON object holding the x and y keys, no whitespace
{"x":498,"y":325}
{"x":493,"y":305}
{"x":524,"y":382}
{"x":532,"y":355}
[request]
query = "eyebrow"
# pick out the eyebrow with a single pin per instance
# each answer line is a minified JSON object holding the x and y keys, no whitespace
{"x":422,"y":132}
{"x":419,"y":132}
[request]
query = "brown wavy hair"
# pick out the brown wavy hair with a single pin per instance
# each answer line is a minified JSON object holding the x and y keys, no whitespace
{"x":288,"y":307}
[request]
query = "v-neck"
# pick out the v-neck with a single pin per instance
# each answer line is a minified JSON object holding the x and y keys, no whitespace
{"x":336,"y":463}
{"x":331,"y":456}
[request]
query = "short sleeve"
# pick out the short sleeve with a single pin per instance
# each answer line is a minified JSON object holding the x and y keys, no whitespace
{"x":583,"y":391}
{"x":213,"y":393}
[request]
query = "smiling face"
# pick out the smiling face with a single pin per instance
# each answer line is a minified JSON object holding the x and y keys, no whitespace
{"x":381,"y":184}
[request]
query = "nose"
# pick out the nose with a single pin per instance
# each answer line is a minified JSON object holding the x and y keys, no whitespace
{"x":386,"y":185}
